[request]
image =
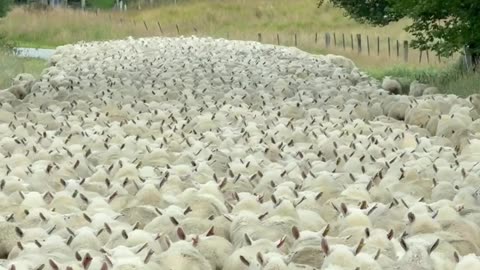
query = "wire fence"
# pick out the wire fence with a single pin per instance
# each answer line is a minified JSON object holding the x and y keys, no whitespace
{"x":368,"y":45}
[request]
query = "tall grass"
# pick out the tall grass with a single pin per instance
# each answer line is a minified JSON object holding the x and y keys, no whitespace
{"x":11,"y":65}
{"x":242,"y":20}
{"x":232,"y":18}
{"x":453,"y":79}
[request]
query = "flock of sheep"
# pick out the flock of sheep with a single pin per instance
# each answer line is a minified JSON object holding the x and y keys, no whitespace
{"x":199,"y":153}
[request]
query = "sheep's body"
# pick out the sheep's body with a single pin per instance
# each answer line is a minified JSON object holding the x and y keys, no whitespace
{"x":392,"y":86}
{"x":417,"y":89}
{"x":196,"y":153}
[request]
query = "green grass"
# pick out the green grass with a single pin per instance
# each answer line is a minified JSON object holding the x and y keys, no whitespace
{"x":11,"y":65}
{"x":102,"y":4}
{"x":449,"y":80}
{"x":241,"y":20}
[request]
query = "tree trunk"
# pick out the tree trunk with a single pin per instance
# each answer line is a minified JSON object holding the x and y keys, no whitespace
{"x":476,"y":61}
{"x":472,"y":57}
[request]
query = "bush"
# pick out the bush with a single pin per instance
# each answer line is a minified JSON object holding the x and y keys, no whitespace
{"x":4,"y":7}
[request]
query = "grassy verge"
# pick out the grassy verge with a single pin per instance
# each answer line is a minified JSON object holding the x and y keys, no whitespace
{"x":11,"y":65}
{"x":234,"y":19}
{"x":449,"y":80}
{"x":241,"y":20}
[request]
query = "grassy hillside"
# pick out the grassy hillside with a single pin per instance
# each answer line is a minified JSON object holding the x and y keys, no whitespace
{"x":236,"y":19}
{"x":233,"y":19}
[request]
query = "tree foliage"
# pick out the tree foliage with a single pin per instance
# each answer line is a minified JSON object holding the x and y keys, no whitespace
{"x":439,"y":25}
{"x":4,"y":7}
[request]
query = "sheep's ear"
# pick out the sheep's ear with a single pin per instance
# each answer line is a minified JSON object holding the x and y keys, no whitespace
{"x":262,"y":216}
{"x":187,"y":210}
{"x":371,"y":210}
{"x":260,"y":258}
{"x":403,"y":244}
{"x":359,"y":246}
{"x":363,"y":205}
{"x":181,"y":234}
{"x":411,"y":217}
{"x":281,"y":241}
{"x":248,"y":240}
{"x":325,"y":247}
{"x":210,"y":232}
{"x":87,"y":218}
{"x":195,"y":241}
{"x":244,"y":261}
{"x":367,"y":232}
{"x":53,"y":264}
{"x":13,"y":267}
{"x":223,"y":183}
{"x":19,"y":232}
{"x":390,"y":234}
{"x":434,"y":246}
{"x":124,"y":234}
{"x":174,"y":221}
{"x":78,"y":257}
{"x":168,"y":241}
{"x":335,"y":207}
{"x":107,"y":228}
{"x":104,"y":266}
{"x":295,"y":232}
{"x":456,"y":257}
{"x":377,"y":255}
{"x":229,"y":206}
{"x":326,"y":230}
{"x":148,"y":256}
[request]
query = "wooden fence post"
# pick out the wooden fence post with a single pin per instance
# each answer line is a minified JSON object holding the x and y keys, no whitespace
{"x":316,"y":38}
{"x":359,"y":43}
{"x":327,"y":40}
{"x":278,"y":39}
{"x":368,"y":45}
{"x":389,"y":48}
{"x":398,"y":49}
{"x":178,"y":29}
{"x":420,"y":57}
{"x":195,"y":30}
{"x":334,"y":39}
{"x":428,"y":57}
{"x":351,"y":40}
{"x":160,"y":27}
{"x":343,"y":41}
{"x":259,"y":37}
{"x":378,"y":45}
{"x":145,"y":23}
{"x":296,"y":40}
{"x":405,"y":50}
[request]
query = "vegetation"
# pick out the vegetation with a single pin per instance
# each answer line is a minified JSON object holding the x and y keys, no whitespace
{"x":4,"y":7}
{"x":239,"y":19}
{"x":443,"y":26}
{"x":242,"y":20}
{"x":11,"y":65}
{"x":101,"y":4}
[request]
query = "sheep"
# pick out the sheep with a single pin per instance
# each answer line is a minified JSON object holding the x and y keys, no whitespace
{"x":417,"y":88}
{"x":391,"y":85}
{"x":173,"y":153}
{"x":430,"y":91}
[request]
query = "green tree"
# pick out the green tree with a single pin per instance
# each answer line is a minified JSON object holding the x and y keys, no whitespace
{"x":4,"y":7}
{"x":444,"y":26}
